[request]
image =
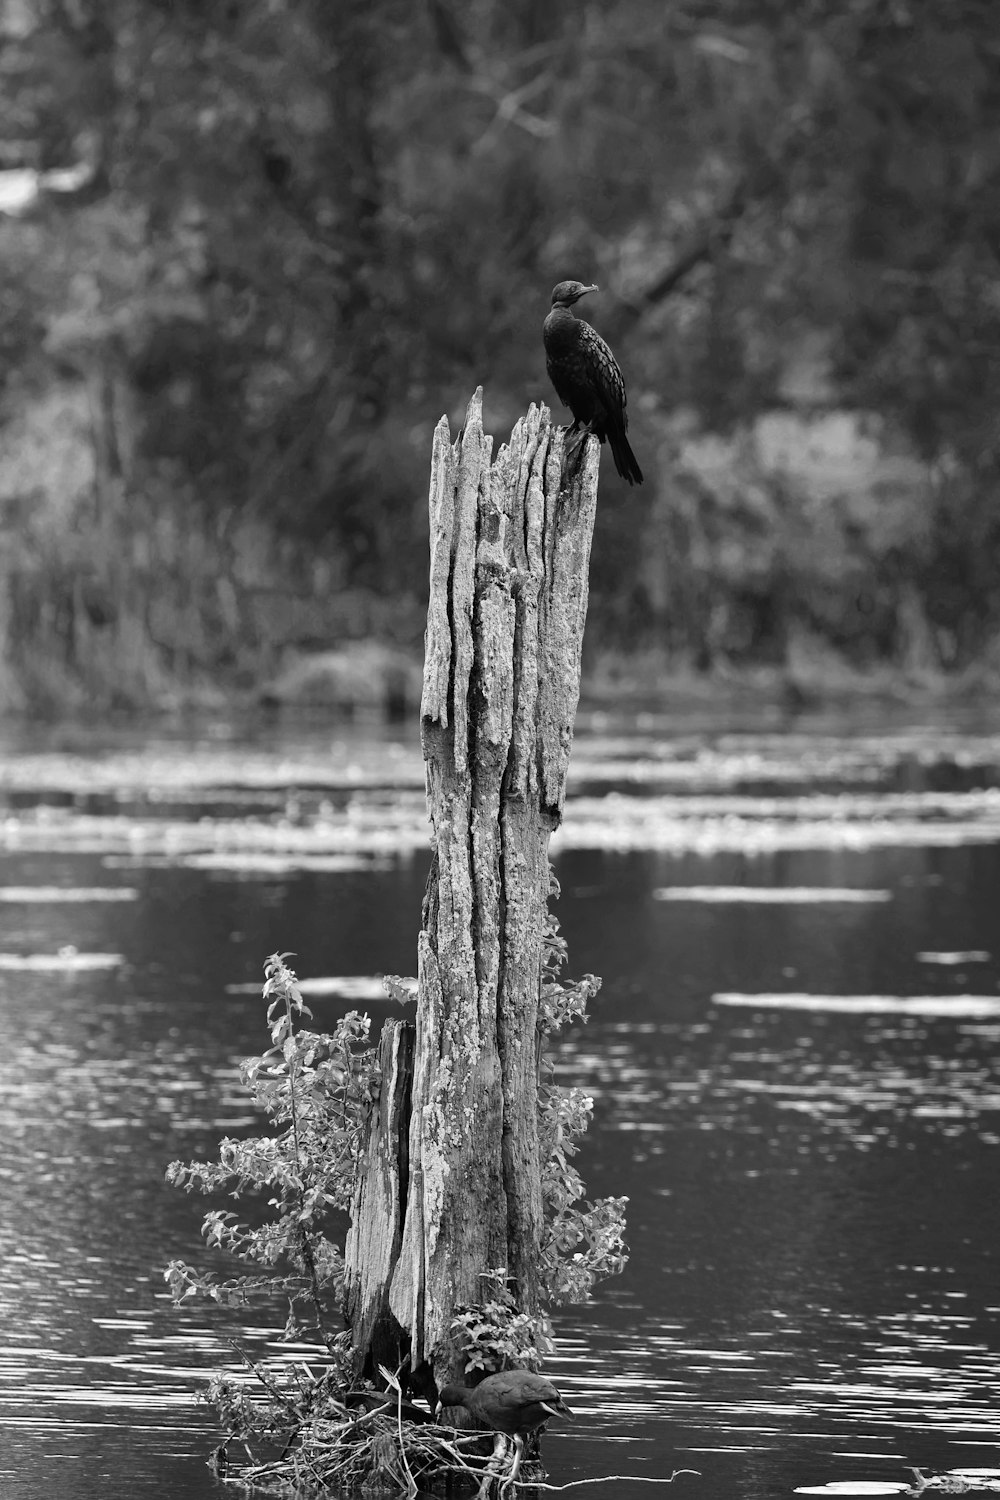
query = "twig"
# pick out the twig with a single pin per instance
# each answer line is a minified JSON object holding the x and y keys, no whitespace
{"x":396,"y":1385}
{"x":459,"y":1460}
{"x":268,"y":1385}
{"x":537,"y":1484}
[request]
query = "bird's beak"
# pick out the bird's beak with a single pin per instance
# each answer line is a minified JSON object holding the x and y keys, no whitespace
{"x":594,"y":288}
{"x":563,"y":1410}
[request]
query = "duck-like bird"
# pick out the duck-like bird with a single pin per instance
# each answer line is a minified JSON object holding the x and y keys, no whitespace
{"x":514,"y":1402}
{"x":587,"y":377}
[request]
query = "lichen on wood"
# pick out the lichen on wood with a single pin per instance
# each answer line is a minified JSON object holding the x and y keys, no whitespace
{"x":510,"y":541}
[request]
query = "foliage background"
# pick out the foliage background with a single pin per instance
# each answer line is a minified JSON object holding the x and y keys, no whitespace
{"x":262,"y":244}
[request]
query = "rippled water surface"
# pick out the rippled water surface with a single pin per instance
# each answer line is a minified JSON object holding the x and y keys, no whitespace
{"x":794,"y":1062}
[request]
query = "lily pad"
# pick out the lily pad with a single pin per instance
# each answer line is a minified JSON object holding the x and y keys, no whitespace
{"x":852,"y":1487}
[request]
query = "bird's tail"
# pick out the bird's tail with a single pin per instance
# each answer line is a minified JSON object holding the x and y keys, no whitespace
{"x":625,"y":460}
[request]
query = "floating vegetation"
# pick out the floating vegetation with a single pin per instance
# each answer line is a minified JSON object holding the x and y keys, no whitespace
{"x":344,"y":760}
{"x":66,"y":961}
{"x":946,"y":1006}
{"x":964,"y":1478}
{"x":666,"y":754}
{"x":329,"y":840}
{"x":260,"y":862}
{"x":954,"y":1482}
{"x":661,"y":749}
{"x":853,"y":1487}
{"x":957,"y":1481}
{"x":71,"y":894}
{"x":779,"y":895}
{"x":761,"y":825}
{"x":340,"y":986}
{"x":962,"y":956}
{"x":342,"y":830}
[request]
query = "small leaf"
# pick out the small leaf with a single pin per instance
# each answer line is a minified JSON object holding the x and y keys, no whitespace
{"x":400,"y":989}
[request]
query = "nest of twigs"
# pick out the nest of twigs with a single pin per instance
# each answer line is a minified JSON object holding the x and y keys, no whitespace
{"x":369,"y":1451}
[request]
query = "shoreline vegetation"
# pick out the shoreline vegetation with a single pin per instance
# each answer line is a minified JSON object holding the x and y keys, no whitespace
{"x":249,"y":259}
{"x":800,"y":556}
{"x":376,"y":680}
{"x":790,"y":560}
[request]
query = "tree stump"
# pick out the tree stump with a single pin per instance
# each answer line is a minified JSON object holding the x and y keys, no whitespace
{"x":510,"y":542}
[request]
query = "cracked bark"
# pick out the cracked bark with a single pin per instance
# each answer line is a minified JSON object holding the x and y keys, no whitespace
{"x":510,"y":541}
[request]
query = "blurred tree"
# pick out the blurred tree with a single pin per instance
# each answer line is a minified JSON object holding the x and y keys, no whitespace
{"x":305,"y":227}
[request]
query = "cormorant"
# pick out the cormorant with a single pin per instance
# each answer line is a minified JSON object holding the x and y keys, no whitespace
{"x":586,"y":376}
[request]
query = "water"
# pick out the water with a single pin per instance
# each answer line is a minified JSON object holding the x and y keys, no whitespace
{"x":800,"y":1096}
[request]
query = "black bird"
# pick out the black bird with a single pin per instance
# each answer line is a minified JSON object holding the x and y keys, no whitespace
{"x":586,"y":376}
{"x":514,"y":1402}
{"x":385,"y":1403}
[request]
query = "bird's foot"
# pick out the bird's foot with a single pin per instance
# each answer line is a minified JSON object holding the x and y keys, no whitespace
{"x":573,"y":453}
{"x":575,"y":437}
{"x":492,"y":1470}
{"x":515,"y":1467}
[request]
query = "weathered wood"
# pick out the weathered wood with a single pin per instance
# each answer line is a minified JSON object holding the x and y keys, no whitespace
{"x":438,"y":637}
{"x":373,"y":1240}
{"x":496,"y":752}
{"x":566,"y":539}
{"x":510,"y":547}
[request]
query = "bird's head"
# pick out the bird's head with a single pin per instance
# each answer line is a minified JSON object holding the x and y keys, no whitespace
{"x":568,"y":292}
{"x":451,"y":1395}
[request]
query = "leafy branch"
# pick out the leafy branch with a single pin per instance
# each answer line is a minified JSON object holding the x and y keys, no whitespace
{"x":581,"y":1242}
{"x":495,"y":1335}
{"x":317,"y":1089}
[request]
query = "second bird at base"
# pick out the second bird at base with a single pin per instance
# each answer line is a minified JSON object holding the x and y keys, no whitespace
{"x":514,"y":1402}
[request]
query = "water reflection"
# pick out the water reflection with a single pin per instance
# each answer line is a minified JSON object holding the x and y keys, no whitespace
{"x":811,"y":1293}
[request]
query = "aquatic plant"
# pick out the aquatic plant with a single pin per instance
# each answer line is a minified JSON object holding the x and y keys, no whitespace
{"x":581,"y":1242}
{"x":317,"y":1092}
{"x":316,"y":1088}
